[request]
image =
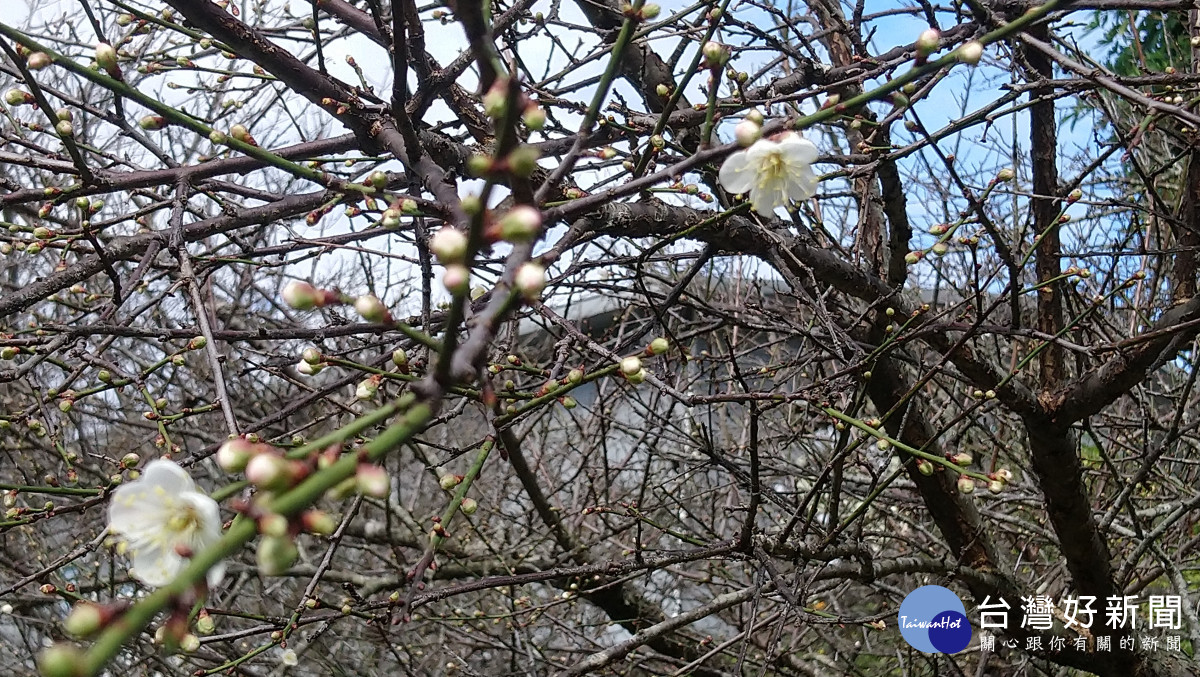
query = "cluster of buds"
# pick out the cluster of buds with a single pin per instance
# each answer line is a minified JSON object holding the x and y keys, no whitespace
{"x":235,"y":454}
{"x":999,"y":479}
{"x":304,"y":296}
{"x":632,"y":370}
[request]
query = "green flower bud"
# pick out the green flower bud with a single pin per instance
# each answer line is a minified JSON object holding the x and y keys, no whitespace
{"x":275,"y":555}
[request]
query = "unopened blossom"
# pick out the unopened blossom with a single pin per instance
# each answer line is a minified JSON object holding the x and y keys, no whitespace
{"x":161,"y":518}
{"x":775,"y":172}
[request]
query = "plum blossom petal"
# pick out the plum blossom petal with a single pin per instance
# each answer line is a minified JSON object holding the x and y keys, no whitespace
{"x":161,"y":519}
{"x":737,"y":174}
{"x":774,"y":172}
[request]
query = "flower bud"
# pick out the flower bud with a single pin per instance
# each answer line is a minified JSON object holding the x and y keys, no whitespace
{"x":1005,"y":174}
{"x":569,"y":402}
{"x":715,"y":54}
{"x":235,"y":454}
{"x":662,"y":90}
{"x":310,"y":369}
{"x":85,"y":620}
{"x":575,"y":376}
{"x":303,"y":296}
{"x":927,"y":42}
{"x":747,"y":132}
{"x":531,"y":279}
{"x":273,"y":524}
{"x":912,"y":257}
{"x":189,"y":643}
{"x":924,"y":467}
{"x":940,"y":248}
{"x":371,"y":308}
{"x":318,"y":522}
{"x":631,"y":365}
{"x":638,"y":378}
{"x":449,"y":481}
{"x":367,"y":388}
{"x":966,"y":485}
{"x":372,"y":480}
{"x":378,"y":180}
{"x":275,"y":555}
{"x":391,"y":218}
{"x":534,"y":117}
{"x":269,"y":471}
{"x":240,"y":133}
{"x":522,"y":223}
{"x":64,"y":128}
{"x":449,"y":245}
{"x":152,"y":123}
{"x":218,"y":138}
{"x":456,"y":278}
{"x":16,"y":97}
{"x":995,"y":486}
{"x":962,"y":458}
{"x":650,"y":10}
{"x":204,"y":623}
{"x":971,"y":52}
{"x":311,"y":355}
{"x":106,"y":57}
{"x":522,"y":161}
{"x":468,"y":506}
{"x":496,"y":99}
{"x":60,"y":660}
{"x":400,"y":357}
{"x":658,"y":346}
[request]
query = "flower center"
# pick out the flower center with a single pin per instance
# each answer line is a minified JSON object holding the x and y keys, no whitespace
{"x":773,"y":167}
{"x":183,"y":521}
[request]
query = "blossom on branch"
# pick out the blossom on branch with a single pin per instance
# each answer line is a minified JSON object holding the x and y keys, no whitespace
{"x":775,"y":172}
{"x":161,"y":518}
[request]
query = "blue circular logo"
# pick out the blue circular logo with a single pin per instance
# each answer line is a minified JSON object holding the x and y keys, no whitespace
{"x":933,"y":620}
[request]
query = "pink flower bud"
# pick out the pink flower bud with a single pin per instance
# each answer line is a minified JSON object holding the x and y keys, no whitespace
{"x":456,"y":278}
{"x":302,"y":296}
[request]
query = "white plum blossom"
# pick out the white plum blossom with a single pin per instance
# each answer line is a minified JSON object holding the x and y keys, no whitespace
{"x":161,"y":519}
{"x":775,"y":172}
